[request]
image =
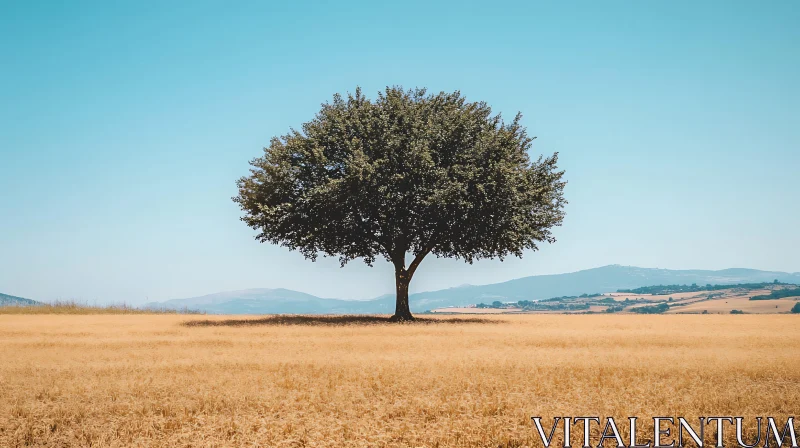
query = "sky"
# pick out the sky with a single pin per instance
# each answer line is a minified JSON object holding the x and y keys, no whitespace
{"x":124,"y":126}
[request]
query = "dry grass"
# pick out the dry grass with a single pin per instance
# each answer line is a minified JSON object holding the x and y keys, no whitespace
{"x":74,"y":307}
{"x":151,"y":381}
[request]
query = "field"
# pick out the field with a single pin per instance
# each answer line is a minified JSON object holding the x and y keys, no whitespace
{"x":725,"y":305}
{"x":72,"y":307}
{"x":152,"y":381}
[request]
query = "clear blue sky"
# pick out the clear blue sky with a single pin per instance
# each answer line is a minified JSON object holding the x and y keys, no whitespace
{"x":124,"y":125}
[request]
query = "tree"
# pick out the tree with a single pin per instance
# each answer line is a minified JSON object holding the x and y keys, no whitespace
{"x":796,"y":308}
{"x":409,"y":173}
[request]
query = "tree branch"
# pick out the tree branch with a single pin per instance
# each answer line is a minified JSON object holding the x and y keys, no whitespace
{"x":417,"y":260}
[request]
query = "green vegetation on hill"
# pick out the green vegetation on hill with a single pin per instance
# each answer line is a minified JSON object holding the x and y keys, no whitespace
{"x":562,"y":298}
{"x":796,"y":308}
{"x":674,"y":289}
{"x":551,"y":304}
{"x":614,"y":309}
{"x":779,"y":294}
{"x":656,"y":309}
{"x":572,"y":303}
{"x":527,"y":305}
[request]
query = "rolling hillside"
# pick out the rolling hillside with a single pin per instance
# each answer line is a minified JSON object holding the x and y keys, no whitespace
{"x":274,"y":301}
{"x":603,"y":279}
{"x":6,"y":300}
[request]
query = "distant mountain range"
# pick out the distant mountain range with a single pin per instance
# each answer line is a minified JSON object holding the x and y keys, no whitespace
{"x":537,"y":287}
{"x":271,"y":301}
{"x":6,"y":299}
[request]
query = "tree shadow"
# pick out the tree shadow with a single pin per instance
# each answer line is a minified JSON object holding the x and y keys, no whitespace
{"x":331,"y":320}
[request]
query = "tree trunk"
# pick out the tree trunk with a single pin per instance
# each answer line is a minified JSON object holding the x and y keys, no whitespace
{"x":402,"y":277}
{"x":401,"y":310}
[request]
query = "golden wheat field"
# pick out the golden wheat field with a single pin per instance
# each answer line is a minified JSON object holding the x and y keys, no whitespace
{"x":151,"y":381}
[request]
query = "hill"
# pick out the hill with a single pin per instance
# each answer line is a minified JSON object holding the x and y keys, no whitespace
{"x":602,"y":279}
{"x":275,"y":301}
{"x":6,"y":300}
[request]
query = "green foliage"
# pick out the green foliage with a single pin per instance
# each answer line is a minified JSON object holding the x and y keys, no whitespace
{"x":540,"y":305}
{"x":778,"y":294}
{"x":561,"y":306}
{"x":737,"y":312}
{"x":565,"y":298}
{"x":655,"y":309}
{"x":409,"y":171}
{"x":796,"y":308}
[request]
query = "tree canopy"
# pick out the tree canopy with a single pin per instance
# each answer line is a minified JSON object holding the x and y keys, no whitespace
{"x":406,"y":173}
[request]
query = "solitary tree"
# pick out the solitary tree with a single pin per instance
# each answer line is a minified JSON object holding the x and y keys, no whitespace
{"x":407,"y":174}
